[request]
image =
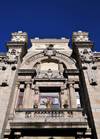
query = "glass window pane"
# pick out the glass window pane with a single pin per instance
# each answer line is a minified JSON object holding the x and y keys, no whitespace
{"x":43,"y":99}
{"x":55,"y":100}
{"x":55,"y":106}
{"x":22,"y":93}
{"x":20,"y":101}
{"x":42,"y":106}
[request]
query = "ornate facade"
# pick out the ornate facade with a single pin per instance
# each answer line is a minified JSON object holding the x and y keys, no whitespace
{"x":50,"y":72}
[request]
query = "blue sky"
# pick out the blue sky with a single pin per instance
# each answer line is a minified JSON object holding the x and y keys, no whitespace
{"x":49,"y":19}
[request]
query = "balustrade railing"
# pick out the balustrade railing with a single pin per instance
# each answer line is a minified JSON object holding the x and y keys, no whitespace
{"x":49,"y":113}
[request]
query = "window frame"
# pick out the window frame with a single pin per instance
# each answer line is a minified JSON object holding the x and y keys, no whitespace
{"x":49,"y":97}
{"x":20,"y":97}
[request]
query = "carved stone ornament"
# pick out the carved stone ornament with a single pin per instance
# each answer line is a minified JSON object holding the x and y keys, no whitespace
{"x":87,"y":56}
{"x":49,"y":51}
{"x":12,"y":56}
{"x":5,"y":82}
{"x":88,"y":62}
{"x":36,"y":89}
{"x":62,"y":89}
{"x":49,"y":74}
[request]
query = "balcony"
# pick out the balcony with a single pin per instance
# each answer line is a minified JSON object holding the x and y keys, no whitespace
{"x":49,"y":118}
{"x":59,"y":122}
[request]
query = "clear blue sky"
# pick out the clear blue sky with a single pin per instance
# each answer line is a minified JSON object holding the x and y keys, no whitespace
{"x":49,"y":19}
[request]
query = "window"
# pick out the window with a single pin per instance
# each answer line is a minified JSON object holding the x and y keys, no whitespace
{"x":78,"y":99}
{"x":50,"y":96}
{"x":20,"y":99}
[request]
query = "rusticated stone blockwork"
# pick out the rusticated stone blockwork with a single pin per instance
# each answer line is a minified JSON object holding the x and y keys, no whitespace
{"x":50,"y":90}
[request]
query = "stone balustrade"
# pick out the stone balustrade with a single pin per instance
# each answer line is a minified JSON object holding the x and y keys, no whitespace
{"x":49,"y":113}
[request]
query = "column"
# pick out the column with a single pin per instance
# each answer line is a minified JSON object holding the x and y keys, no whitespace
{"x":72,"y":95}
{"x":62,"y":95}
{"x":26,"y":95}
{"x":36,"y":94}
{"x":15,"y":99}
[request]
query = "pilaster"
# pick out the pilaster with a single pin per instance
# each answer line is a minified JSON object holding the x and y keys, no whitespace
{"x":26,"y":95}
{"x":82,"y":48}
{"x":72,"y":94}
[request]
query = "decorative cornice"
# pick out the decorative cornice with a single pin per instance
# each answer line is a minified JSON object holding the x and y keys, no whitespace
{"x":26,"y":71}
{"x":84,"y":44}
{"x":50,"y":41}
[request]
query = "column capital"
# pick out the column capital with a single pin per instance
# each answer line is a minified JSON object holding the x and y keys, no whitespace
{"x":36,"y":89}
{"x":62,"y":89}
{"x":71,"y":83}
{"x":27,"y":84}
{"x":17,"y":84}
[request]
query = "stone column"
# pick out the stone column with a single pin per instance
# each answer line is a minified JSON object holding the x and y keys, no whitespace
{"x":62,"y":96}
{"x":72,"y":95}
{"x":31,"y":95}
{"x":36,"y":93}
{"x":26,"y":96}
{"x":15,"y":99}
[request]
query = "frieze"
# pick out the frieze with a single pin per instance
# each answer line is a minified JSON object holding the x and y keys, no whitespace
{"x":34,"y":58}
{"x":49,"y":74}
{"x":66,"y":58}
{"x":59,"y":55}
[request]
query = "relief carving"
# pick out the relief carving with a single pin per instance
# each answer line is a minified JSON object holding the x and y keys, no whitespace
{"x":49,"y":74}
{"x":88,"y":62}
{"x":34,"y":58}
{"x":12,"y":56}
{"x":49,"y":51}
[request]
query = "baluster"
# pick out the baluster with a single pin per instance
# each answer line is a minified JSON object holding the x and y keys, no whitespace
{"x":40,"y":114}
{"x":32,"y":114}
{"x":50,"y":113}
{"x":43,"y":114}
{"x":65,"y":114}
{"x":59,"y":114}
{"x":54,"y":114}
{"x":47,"y":113}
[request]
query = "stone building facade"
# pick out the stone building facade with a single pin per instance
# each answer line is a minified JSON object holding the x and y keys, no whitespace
{"x":50,"y":71}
